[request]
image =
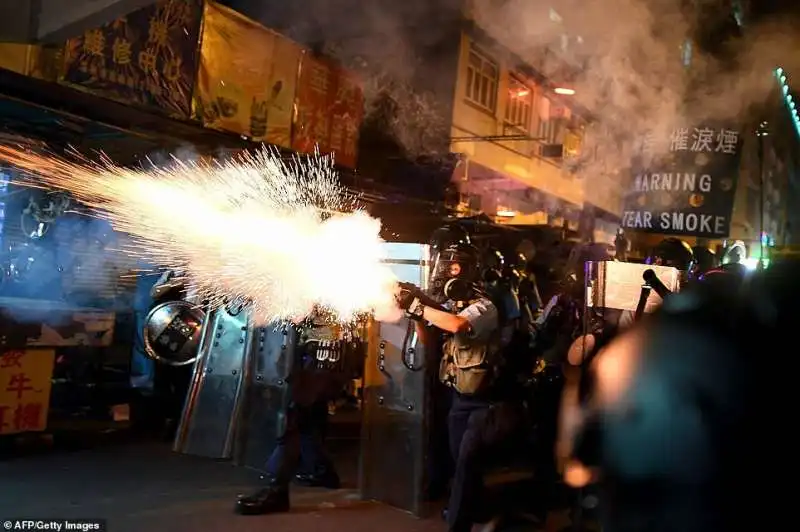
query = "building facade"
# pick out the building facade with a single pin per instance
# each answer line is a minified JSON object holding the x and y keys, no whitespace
{"x":450,"y":87}
{"x":524,"y":138}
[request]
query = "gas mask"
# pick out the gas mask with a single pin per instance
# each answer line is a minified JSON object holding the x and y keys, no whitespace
{"x":454,"y":272}
{"x":459,"y":290}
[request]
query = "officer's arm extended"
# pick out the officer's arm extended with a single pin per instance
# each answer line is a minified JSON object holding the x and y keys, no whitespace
{"x":475,"y":320}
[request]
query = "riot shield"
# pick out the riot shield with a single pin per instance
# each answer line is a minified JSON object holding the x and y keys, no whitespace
{"x":266,"y":394}
{"x":237,"y":400}
{"x":394,"y":425}
{"x":214,"y":399}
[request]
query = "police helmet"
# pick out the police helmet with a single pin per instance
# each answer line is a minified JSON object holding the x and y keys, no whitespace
{"x":735,"y":253}
{"x":704,"y":259}
{"x":443,"y":237}
{"x":493,"y":265}
{"x":448,"y":235}
{"x":673,"y":252}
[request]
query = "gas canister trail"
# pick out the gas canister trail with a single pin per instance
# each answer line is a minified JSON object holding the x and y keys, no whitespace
{"x":254,"y":226}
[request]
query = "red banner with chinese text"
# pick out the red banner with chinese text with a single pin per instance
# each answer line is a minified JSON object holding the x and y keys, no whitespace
{"x":330,"y":107}
{"x":25,"y":382}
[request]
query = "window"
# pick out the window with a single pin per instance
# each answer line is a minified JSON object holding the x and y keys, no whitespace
{"x":481,"y":80}
{"x":519,"y":105}
{"x":546,"y":130}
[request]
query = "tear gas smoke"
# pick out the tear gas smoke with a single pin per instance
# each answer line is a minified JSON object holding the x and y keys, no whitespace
{"x":624,"y":58}
{"x":254,"y":226}
{"x":628,"y":63}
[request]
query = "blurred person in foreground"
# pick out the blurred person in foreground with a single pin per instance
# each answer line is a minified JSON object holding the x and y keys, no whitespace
{"x":679,"y":424}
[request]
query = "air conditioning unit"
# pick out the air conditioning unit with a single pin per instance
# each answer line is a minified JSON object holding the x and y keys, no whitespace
{"x":551,"y":151}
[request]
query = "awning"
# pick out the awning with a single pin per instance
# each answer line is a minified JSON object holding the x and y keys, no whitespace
{"x":54,"y":112}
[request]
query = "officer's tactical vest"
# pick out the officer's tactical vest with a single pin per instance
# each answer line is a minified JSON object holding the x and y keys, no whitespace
{"x":468,"y":366}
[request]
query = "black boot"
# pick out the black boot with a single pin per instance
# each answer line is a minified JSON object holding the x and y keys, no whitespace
{"x":270,"y":500}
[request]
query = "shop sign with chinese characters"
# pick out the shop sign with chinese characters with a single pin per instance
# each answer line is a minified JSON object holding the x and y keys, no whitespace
{"x":148,"y":57}
{"x":330,"y":107}
{"x":685,"y":184}
{"x":25,"y":382}
{"x":247,"y":77}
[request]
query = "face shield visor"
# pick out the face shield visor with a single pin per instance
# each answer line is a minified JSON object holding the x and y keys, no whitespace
{"x":449,"y":265}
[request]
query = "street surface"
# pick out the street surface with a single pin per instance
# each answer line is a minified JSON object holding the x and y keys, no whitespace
{"x":146,"y":487}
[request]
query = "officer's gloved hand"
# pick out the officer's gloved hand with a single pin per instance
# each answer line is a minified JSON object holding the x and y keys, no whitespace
{"x":411,"y":300}
{"x":406,"y":296}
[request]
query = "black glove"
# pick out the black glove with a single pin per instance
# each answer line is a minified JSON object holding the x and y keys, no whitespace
{"x":409,"y":299}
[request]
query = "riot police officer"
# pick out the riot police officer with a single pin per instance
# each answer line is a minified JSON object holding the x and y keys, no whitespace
{"x":705,"y":260}
{"x":171,"y":383}
{"x":439,"y":459}
{"x":329,"y":355}
{"x":673,"y":252}
{"x":481,"y":418}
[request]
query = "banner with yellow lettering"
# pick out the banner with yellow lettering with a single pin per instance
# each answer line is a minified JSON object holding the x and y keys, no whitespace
{"x":148,"y":57}
{"x":247,"y":77}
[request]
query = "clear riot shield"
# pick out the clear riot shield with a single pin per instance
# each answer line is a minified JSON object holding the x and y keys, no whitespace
{"x":394,"y":424}
{"x":237,"y":400}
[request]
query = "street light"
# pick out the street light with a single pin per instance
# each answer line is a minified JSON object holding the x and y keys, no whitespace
{"x":564,"y":91}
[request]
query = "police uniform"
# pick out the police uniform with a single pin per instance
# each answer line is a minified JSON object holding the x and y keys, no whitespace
{"x":472,"y":358}
{"x":329,"y":357}
{"x":478,"y":422}
{"x":301,"y":449}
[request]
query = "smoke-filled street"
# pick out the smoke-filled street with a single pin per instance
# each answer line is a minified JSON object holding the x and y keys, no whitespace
{"x":381,"y":266}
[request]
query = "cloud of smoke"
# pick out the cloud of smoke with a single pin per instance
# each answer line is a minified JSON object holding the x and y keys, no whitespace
{"x":628,"y":71}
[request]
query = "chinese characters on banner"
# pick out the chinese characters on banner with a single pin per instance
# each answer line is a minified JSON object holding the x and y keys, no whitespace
{"x":148,"y":57}
{"x":25,"y":381}
{"x":330,"y":107}
{"x":247,"y":77}
{"x":685,"y":185}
